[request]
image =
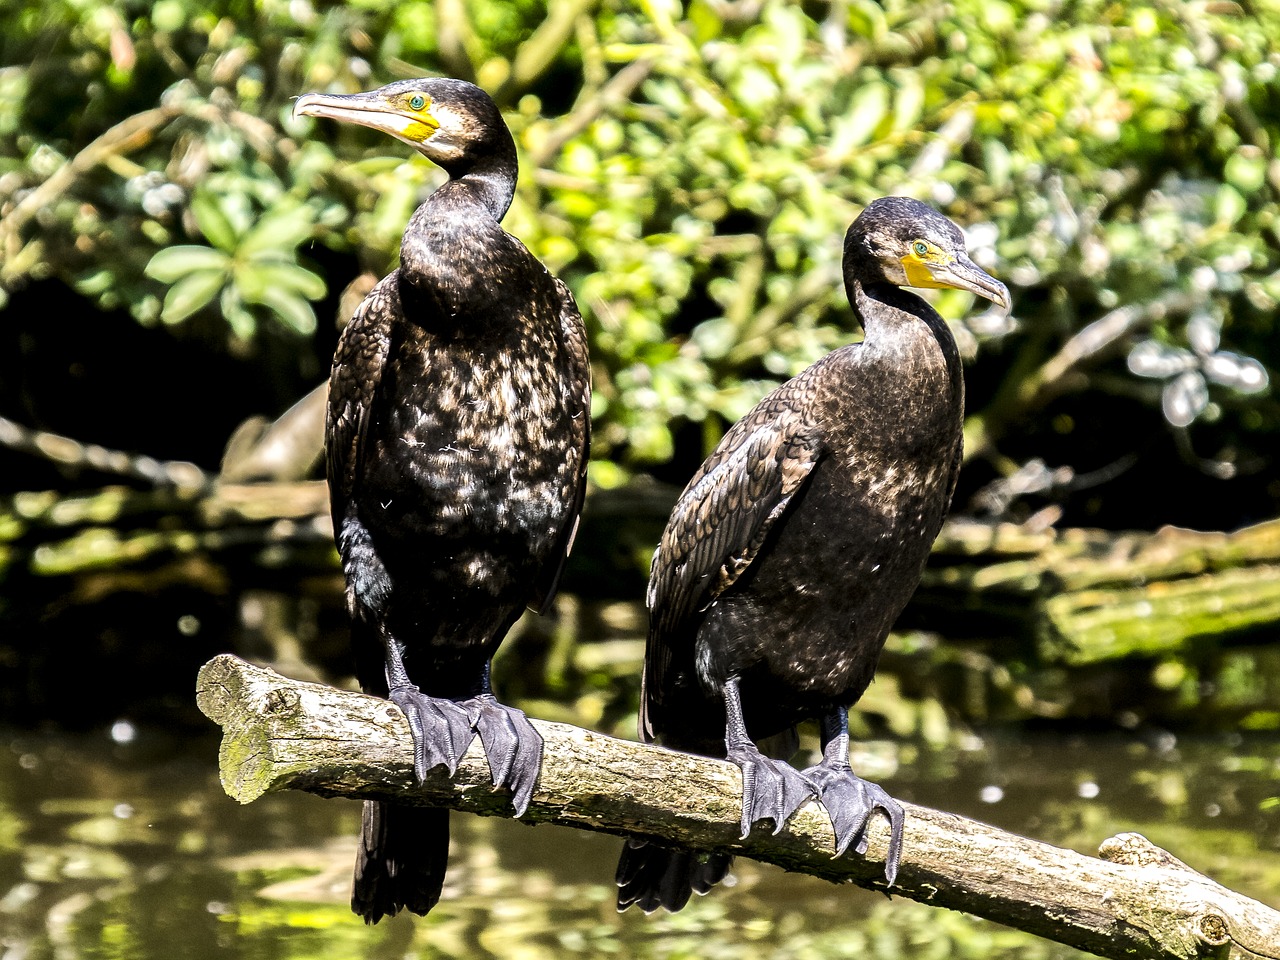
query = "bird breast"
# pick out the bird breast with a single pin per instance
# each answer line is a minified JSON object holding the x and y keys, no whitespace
{"x":484,"y":445}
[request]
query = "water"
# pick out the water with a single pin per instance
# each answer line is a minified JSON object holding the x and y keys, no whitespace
{"x":130,"y":849}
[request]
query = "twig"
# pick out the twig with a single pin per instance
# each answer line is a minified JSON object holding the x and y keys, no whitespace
{"x":64,"y":450}
{"x":1137,"y":901}
{"x":1098,"y":337}
{"x":618,"y":89}
{"x":128,"y":135}
{"x":543,"y":47}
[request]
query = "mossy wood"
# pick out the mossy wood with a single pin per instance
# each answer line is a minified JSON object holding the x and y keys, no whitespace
{"x":1082,"y":596}
{"x":1136,"y":901}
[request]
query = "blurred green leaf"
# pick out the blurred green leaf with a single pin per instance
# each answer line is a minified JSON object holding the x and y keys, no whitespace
{"x":172,"y":263}
{"x":213,"y":220}
{"x":287,"y":277}
{"x":293,"y":310}
{"x":278,"y":231}
{"x":191,"y":293}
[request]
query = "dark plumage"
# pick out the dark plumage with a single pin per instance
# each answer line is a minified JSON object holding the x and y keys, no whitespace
{"x":457,"y":434}
{"x":796,"y":545}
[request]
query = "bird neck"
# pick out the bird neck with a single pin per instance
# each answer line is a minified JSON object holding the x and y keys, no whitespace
{"x":486,"y":176}
{"x":489,"y":187}
{"x":909,"y":369}
{"x":454,"y":249}
{"x":888,"y":311}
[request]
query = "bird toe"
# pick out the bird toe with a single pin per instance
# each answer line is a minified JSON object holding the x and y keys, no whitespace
{"x":512,"y":746}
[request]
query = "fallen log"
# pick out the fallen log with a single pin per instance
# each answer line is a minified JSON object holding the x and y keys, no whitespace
{"x":1074,"y":597}
{"x":1135,"y":901}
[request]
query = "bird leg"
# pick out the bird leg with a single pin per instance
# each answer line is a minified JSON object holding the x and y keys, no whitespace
{"x":850,"y":800}
{"x":771,"y":789}
{"x":511,"y":744}
{"x":441,"y":729}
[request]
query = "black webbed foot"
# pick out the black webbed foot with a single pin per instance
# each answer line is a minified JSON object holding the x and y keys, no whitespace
{"x":441,"y":729}
{"x":850,"y":803}
{"x":511,"y":744}
{"x":771,"y":789}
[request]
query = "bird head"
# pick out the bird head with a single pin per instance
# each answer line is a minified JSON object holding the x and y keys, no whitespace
{"x":451,"y":122}
{"x":907,"y":243}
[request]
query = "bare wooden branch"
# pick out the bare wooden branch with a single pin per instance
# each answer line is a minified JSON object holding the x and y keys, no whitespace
{"x":71,"y":452}
{"x":1137,"y":901}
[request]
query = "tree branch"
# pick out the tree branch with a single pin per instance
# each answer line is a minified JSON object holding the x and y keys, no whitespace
{"x":1137,"y":901}
{"x":128,"y":135}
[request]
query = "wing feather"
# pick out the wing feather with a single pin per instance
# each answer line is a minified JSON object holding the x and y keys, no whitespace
{"x":719,"y":524}
{"x":353,"y":384}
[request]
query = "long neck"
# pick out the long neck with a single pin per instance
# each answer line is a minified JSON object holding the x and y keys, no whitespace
{"x":905,"y":333}
{"x":488,"y":179}
{"x":889,"y":313}
{"x":454,"y":248}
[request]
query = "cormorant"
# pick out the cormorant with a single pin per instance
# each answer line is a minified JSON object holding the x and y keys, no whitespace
{"x":456,"y":439}
{"x":796,"y":545}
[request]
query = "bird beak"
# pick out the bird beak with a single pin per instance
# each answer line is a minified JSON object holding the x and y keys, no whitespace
{"x":963,"y":274}
{"x":367,"y":110}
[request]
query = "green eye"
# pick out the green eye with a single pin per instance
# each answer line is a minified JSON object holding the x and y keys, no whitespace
{"x":417,"y":101}
{"x":920,"y":248}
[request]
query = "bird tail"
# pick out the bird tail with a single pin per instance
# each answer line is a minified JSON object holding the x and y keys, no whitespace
{"x":401,"y":860}
{"x":653,"y":876}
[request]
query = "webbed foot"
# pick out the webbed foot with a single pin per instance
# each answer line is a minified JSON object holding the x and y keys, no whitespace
{"x":511,"y":744}
{"x":771,"y":789}
{"x":441,"y":729}
{"x":850,"y":803}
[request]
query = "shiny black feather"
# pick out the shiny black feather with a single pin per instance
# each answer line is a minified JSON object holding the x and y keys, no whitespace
{"x":457,"y":442}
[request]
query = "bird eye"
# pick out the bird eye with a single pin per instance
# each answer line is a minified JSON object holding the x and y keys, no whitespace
{"x":920,"y":248}
{"x":417,"y":101}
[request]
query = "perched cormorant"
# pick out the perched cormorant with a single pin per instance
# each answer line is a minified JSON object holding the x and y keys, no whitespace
{"x":796,"y":545}
{"x":456,"y":439}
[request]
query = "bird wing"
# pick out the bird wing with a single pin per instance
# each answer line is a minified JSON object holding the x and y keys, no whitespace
{"x":353,"y":381}
{"x":575,"y":345}
{"x":721,"y":521}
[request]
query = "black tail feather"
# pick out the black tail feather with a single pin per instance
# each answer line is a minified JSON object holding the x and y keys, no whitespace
{"x":401,"y":861}
{"x":653,"y":876}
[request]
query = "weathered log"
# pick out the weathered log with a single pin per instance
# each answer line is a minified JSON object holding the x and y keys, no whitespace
{"x":1094,"y":595}
{"x":1080,"y":596}
{"x":1136,"y":901}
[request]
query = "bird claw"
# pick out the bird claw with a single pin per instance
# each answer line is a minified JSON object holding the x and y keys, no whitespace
{"x":441,"y":730}
{"x":511,"y":744}
{"x":850,"y":803}
{"x":771,"y":789}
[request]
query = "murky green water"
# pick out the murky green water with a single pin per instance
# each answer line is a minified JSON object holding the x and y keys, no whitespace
{"x":131,"y":850}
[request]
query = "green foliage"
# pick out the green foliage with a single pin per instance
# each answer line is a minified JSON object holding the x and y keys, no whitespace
{"x":690,"y":170}
{"x":251,"y":263}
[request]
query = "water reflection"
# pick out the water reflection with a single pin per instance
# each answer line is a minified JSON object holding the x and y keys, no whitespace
{"x":127,"y":848}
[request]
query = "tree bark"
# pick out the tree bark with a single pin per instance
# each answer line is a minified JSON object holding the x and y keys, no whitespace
{"x":1136,"y":901}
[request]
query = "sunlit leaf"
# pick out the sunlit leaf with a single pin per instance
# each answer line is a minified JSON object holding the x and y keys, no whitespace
{"x":1246,"y":170}
{"x":908,"y":101}
{"x":1150,"y":358}
{"x":868,"y":108}
{"x":213,"y":221}
{"x":242,"y":321}
{"x":189,"y":294}
{"x":293,"y":310}
{"x":1232,"y":370}
{"x":1185,"y":398}
{"x":257,"y":276}
{"x":1204,"y":332}
{"x":279,"y":231}
{"x":171,"y":263}
{"x":1229,"y":206}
